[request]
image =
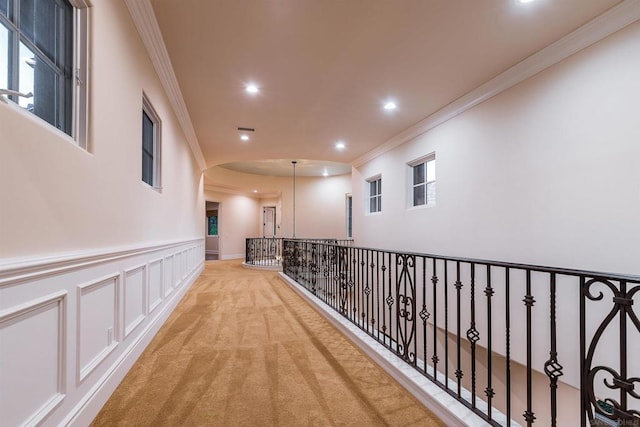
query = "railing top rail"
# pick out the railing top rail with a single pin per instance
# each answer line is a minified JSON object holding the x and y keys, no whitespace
{"x":511,"y":265}
{"x":304,"y":239}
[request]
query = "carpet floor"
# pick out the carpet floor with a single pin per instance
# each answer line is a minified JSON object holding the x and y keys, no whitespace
{"x":243,"y":349}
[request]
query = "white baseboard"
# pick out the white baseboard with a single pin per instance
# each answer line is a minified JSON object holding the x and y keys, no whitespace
{"x":232,"y":256}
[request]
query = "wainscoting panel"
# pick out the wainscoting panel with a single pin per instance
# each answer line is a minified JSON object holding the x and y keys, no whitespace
{"x":185,"y":264}
{"x":135,"y":293}
{"x":32,"y":359}
{"x":177,"y":268}
{"x":71,"y":326}
{"x":156,"y":291}
{"x":97,"y":324}
{"x":168,"y":275}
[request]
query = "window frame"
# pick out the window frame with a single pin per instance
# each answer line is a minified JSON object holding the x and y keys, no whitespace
{"x":209,"y":226}
{"x":349,"y":215}
{"x":147,"y":108}
{"x":377,"y":196}
{"x":79,"y":76}
{"x":423,"y":160}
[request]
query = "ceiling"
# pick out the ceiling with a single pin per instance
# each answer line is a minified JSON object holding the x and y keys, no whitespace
{"x":325,"y":67}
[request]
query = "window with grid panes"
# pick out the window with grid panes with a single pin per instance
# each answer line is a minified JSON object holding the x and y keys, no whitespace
{"x":150,"y":145}
{"x":424,"y":182}
{"x":37,"y":57}
{"x":375,"y":195}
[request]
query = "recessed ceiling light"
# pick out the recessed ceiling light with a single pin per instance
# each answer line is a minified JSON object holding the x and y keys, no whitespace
{"x":390,"y":106}
{"x":255,"y":191}
{"x":244,"y":137}
{"x":340,"y":145}
{"x":525,"y":1}
{"x":252,"y":88}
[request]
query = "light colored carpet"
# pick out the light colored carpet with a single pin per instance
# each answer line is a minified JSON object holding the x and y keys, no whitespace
{"x":242,"y":349}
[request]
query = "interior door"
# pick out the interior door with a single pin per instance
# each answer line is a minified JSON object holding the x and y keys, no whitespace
{"x":269,"y":221}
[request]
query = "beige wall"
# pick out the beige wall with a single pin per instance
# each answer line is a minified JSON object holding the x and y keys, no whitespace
{"x":58,"y":198}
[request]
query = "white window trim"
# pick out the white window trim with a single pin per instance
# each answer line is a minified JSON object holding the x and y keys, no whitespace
{"x":409,"y":186}
{"x":80,"y":125}
{"x":157,"y":145}
{"x":346,"y":208}
{"x":368,"y":181}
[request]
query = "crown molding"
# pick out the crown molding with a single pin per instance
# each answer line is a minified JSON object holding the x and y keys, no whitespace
{"x":593,"y":31}
{"x":145,"y":21}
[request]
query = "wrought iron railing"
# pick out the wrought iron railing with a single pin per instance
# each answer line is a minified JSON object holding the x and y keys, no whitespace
{"x":496,"y":336}
{"x":264,"y":251}
{"x":267,"y":251}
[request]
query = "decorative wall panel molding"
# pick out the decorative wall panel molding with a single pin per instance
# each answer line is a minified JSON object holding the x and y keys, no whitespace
{"x":135,"y":297}
{"x":111,"y":302}
{"x":156,"y":290}
{"x":97,"y":325}
{"x":33,"y":354}
{"x":168,"y":275}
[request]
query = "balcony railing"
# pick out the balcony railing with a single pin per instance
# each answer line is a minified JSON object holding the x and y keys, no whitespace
{"x":267,"y":251}
{"x":535,"y":344}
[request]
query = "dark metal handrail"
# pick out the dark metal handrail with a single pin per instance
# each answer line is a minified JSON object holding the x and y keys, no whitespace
{"x":478,"y":328}
{"x":267,"y":251}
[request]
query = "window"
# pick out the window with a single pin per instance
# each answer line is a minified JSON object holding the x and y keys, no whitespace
{"x":423,"y":188}
{"x":375,"y":194}
{"x":42,"y":52}
{"x":212,"y":219}
{"x":150,"y":145}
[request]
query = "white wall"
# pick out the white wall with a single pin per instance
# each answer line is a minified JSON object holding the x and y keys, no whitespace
{"x":544,"y":173}
{"x":92,"y":261}
{"x":320,"y":207}
{"x":236,"y":221}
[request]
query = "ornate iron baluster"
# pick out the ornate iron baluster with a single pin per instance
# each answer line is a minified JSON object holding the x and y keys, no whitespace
{"x":446,"y":325}
{"x":623,"y":308}
{"x":459,"y":372}
{"x":313,"y":268}
{"x":372,"y":315}
{"x":434,"y":358}
{"x":473,"y":335}
{"x":488,"y":391}
{"x":529,"y":301}
{"x":367,"y":291}
{"x":377,"y":294}
{"x":384,"y":298}
{"x":405,"y":289}
{"x":507,"y":367}
{"x":552,"y":368}
{"x":424,"y":314}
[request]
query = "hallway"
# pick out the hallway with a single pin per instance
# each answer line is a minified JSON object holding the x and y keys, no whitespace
{"x":242,"y":348}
